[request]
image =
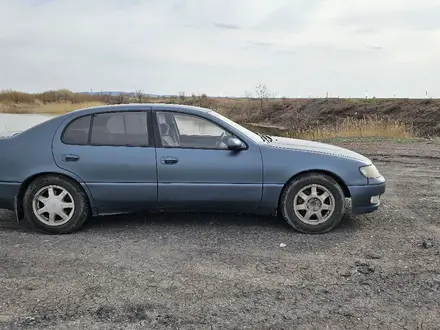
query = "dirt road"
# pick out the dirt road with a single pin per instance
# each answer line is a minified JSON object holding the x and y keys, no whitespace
{"x":380,"y":271}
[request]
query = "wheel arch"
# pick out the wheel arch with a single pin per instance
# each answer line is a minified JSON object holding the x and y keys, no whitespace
{"x":25,"y":184}
{"x":334,"y":176}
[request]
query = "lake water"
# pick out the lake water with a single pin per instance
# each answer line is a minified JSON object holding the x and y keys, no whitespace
{"x":10,"y":123}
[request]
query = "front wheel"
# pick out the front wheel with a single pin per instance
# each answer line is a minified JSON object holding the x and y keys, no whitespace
{"x":313,"y":203}
{"x":55,"y":205}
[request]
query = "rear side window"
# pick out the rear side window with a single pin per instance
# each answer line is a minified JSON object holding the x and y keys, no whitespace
{"x":120,"y":129}
{"x":77,"y":132}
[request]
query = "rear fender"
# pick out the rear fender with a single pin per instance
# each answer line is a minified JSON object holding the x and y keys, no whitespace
{"x":18,"y":200}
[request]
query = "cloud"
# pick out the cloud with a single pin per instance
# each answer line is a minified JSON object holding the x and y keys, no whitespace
{"x":167,"y":46}
{"x":375,"y":47}
{"x":421,"y":17}
{"x":260,"y":43}
{"x":227,"y":26}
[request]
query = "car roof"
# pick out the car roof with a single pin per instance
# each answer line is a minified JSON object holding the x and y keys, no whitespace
{"x":141,"y":106}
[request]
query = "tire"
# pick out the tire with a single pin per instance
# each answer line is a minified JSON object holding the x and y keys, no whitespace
{"x":297,"y":216}
{"x":74,"y":206}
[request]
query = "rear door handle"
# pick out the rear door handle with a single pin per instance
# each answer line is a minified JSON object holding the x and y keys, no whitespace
{"x":169,"y":160}
{"x":70,"y":158}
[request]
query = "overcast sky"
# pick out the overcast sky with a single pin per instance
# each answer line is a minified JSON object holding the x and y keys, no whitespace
{"x":223,"y":47}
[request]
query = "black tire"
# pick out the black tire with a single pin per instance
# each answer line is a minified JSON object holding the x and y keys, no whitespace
{"x":80,"y":214}
{"x":291,"y":190}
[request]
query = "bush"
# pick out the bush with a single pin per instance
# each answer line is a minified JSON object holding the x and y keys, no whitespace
{"x":11,"y":97}
{"x":15,"y":97}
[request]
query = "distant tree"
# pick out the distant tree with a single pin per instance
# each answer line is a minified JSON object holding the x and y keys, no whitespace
{"x":139,"y":95}
{"x":262,"y":93}
{"x":120,"y":98}
{"x":248,"y":95}
{"x":182,"y":96}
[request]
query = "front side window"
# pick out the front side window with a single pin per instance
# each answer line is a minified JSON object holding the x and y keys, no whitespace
{"x":77,"y":132}
{"x":241,"y":129}
{"x":190,"y":131}
{"x":120,"y":129}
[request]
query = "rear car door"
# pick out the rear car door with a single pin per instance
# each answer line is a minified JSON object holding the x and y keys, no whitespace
{"x":114,"y":154}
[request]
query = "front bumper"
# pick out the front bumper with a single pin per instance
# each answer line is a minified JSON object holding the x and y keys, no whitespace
{"x":366,"y":199}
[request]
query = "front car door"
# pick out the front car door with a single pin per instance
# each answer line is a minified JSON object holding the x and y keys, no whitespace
{"x":195,"y":168}
{"x":114,"y":154}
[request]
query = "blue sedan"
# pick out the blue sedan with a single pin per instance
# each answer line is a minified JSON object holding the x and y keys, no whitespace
{"x":141,"y":157}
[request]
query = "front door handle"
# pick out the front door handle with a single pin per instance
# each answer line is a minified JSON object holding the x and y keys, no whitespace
{"x":70,"y":158}
{"x":169,"y":160}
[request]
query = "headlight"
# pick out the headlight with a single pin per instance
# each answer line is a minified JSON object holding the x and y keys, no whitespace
{"x":370,"y":171}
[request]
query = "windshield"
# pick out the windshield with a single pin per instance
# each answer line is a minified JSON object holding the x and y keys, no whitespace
{"x":252,"y":135}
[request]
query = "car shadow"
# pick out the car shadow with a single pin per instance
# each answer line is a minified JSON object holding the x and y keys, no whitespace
{"x":176,"y":220}
{"x":179,"y":219}
{"x":200,"y":220}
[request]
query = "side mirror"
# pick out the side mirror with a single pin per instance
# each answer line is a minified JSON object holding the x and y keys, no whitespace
{"x":235,"y":144}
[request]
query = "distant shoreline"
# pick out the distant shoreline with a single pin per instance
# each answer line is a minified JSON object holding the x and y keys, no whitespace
{"x":294,"y":117}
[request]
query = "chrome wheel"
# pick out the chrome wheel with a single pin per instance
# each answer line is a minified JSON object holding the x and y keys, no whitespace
{"x":53,"y":205}
{"x":314,"y":204}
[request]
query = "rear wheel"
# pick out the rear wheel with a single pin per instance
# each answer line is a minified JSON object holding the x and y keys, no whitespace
{"x":55,"y":205}
{"x":313,"y":203}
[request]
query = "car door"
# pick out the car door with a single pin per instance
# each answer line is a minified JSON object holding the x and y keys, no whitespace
{"x":195,"y":171}
{"x":114,"y":154}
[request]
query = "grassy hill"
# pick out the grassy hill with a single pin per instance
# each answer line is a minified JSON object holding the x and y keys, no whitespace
{"x":294,"y":117}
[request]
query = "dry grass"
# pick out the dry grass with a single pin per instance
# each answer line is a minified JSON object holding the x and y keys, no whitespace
{"x":48,"y":108}
{"x":304,"y":118}
{"x":349,"y":127}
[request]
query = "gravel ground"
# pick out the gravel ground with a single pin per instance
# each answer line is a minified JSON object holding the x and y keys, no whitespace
{"x":187,"y":271}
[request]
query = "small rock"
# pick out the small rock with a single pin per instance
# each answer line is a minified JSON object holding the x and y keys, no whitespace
{"x":374,"y":255}
{"x":346,"y":274}
{"x":427,"y":243}
{"x":282,"y":245}
{"x":364,"y":268}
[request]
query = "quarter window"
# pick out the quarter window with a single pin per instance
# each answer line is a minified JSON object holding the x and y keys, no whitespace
{"x":77,"y":132}
{"x":120,"y":129}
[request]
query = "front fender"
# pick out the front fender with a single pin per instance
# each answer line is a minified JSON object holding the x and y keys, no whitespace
{"x":281,"y":165}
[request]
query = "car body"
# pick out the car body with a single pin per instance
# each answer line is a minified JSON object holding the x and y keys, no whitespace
{"x":138,"y":157}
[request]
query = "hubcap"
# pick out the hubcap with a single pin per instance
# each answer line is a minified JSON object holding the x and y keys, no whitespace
{"x":53,"y":205}
{"x":314,"y":204}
